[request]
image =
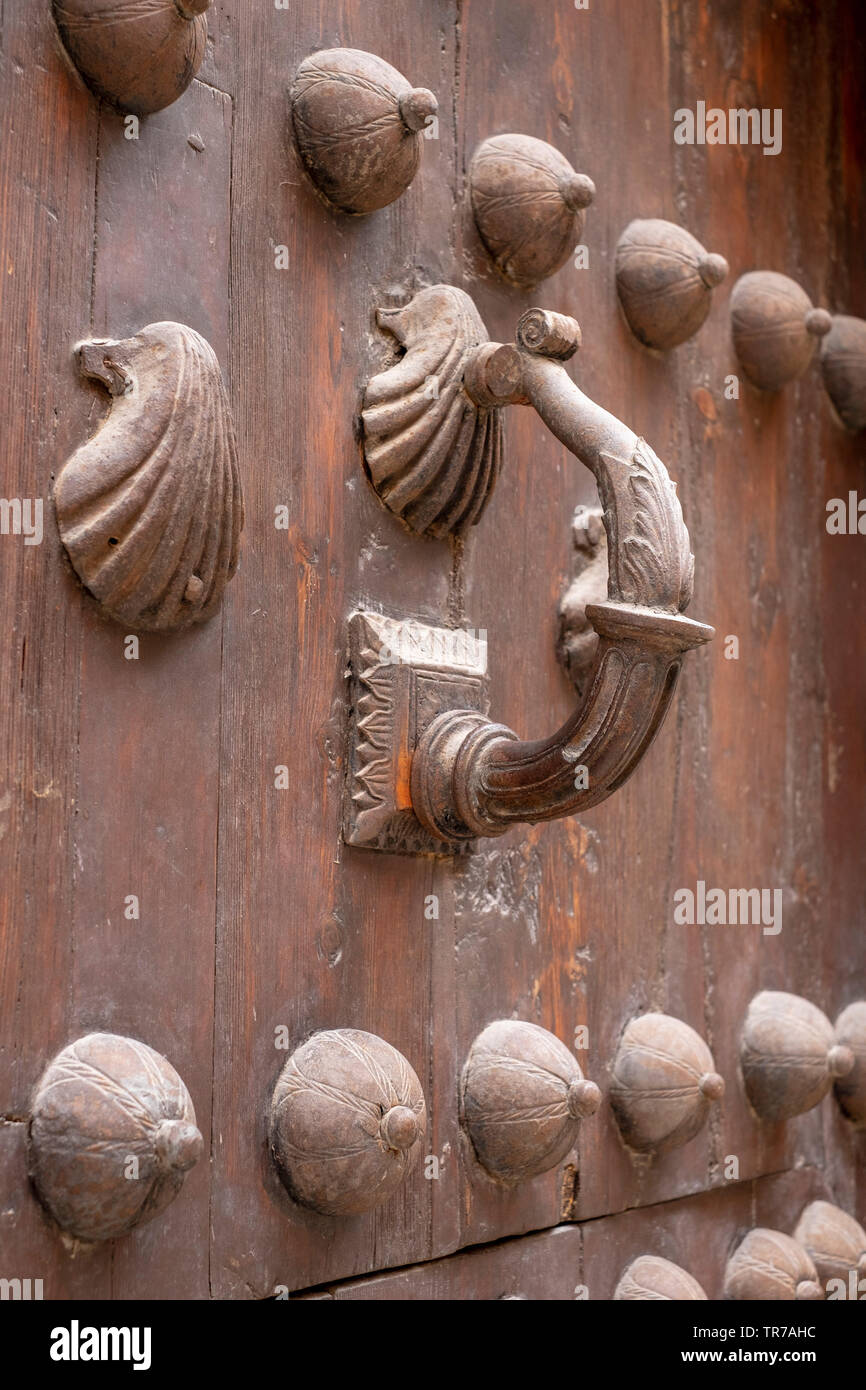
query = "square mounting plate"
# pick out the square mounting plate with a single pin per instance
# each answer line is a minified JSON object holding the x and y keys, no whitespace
{"x":403,"y":674}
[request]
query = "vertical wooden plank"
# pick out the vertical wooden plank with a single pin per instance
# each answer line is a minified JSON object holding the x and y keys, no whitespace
{"x":756,"y":490}
{"x":313,"y":935}
{"x":149,"y":738}
{"x":731,"y":790}
{"x":46,"y":230}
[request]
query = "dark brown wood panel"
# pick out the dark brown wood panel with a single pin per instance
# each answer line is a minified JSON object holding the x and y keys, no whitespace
{"x":149,"y":743}
{"x":48,"y":168}
{"x":732,"y":790}
{"x":585,"y":1262}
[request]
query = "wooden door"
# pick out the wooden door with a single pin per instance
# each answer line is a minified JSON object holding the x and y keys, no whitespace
{"x":174,"y":867}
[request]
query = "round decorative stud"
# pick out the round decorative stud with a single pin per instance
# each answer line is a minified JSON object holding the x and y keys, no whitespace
{"x":665,"y":279}
{"x":150,"y":509}
{"x":358,"y":127}
{"x":789,"y":1055}
{"x":775,"y":328}
{"x":851,"y":1087}
{"x":347,"y":1121}
{"x":432,"y":454}
{"x":834,"y":1241}
{"x":529,"y":206}
{"x":768,"y":1265}
{"x":843,"y":367}
{"x":664,"y":1080}
{"x":650,"y":1278}
{"x":141,"y":57}
{"x":112,"y":1133}
{"x":522,"y":1096}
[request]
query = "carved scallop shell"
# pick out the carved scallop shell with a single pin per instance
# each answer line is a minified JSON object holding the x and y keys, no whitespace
{"x":528,"y":205}
{"x":843,"y":367}
{"x":112,"y":1133}
{"x":851,"y":1088}
{"x":650,"y":1278}
{"x":432,"y":454}
{"x":522,"y":1098}
{"x":664,"y":1079}
{"x":347,"y":1121}
{"x":150,"y":509}
{"x":357,"y":124}
{"x":789,"y":1055}
{"x":834,"y":1241}
{"x":139,"y":54}
{"x":769,"y":1265}
{"x":665,"y":279}
{"x":775,"y":328}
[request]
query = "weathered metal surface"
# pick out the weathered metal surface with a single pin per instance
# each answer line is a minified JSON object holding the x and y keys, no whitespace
{"x":663,"y":1083}
{"x":522,"y":1096}
{"x":789,"y":1055}
{"x":577,"y":639}
{"x":358,"y":126}
{"x":112,"y":1134}
{"x":835,"y":1243}
{"x":471,"y":777}
{"x":403,"y":674}
{"x":150,"y":509}
{"x":775,"y":328}
{"x":650,"y":1278}
{"x":665,"y":280}
{"x":529,"y":206}
{"x":770,"y":1265}
{"x":851,"y":1087}
{"x":347,"y":1121}
{"x":432,"y":454}
{"x":139,"y":54}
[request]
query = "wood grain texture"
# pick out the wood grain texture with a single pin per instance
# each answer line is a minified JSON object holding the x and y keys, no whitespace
{"x":575,"y":924}
{"x":585,"y":1262}
{"x":49,"y":164}
{"x":313,"y":934}
{"x":157,"y":777}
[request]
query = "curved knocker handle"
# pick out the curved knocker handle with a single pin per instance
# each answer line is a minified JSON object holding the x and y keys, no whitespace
{"x":469,"y":776}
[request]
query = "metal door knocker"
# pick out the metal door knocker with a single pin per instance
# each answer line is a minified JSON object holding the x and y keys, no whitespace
{"x":428,"y":771}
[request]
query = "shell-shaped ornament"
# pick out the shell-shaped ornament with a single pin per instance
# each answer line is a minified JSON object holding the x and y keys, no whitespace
{"x":359,"y":127}
{"x":348,"y":1121}
{"x":522,"y":1097}
{"x":843,"y":368}
{"x":835,"y":1242}
{"x":529,"y":206}
{"x":112,"y":1134}
{"x":775,"y":328}
{"x":789,"y":1055}
{"x":663,"y":1083}
{"x":150,"y":508}
{"x":665,"y":280}
{"x":141,"y":55}
{"x":652,"y":1279}
{"x":431,"y":453}
{"x":768,"y":1265}
{"x":851,"y":1087}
